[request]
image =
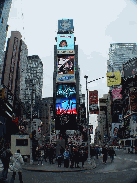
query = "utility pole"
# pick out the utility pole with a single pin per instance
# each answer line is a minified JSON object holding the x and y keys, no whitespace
{"x":31,"y":121}
{"x":88,"y":131}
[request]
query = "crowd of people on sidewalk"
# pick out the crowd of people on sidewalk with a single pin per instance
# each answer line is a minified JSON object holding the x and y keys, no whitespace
{"x":70,"y":156}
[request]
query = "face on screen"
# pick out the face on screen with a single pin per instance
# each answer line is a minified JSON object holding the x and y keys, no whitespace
{"x":65,"y":41}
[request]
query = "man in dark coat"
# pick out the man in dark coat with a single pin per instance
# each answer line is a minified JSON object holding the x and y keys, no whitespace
{"x":77,"y":157}
{"x":104,"y":152}
{"x":5,"y":157}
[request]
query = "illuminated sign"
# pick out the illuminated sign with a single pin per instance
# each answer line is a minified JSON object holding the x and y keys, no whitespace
{"x":65,"y":51}
{"x":65,"y":78}
{"x":65,"y":41}
{"x":93,"y":102}
{"x":113,"y":78}
{"x":66,"y":99}
{"x":66,"y":65}
{"x":117,"y":93}
{"x":65,"y":25}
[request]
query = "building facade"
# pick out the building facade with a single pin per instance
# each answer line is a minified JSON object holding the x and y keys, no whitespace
{"x":5,"y":6}
{"x":119,"y":53}
{"x":33,"y":82}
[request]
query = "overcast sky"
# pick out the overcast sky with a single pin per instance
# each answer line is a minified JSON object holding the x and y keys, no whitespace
{"x":97,"y":24}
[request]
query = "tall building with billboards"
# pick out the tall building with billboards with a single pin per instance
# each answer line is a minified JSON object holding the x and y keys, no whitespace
{"x":65,"y":77}
{"x":119,"y":53}
{"x":5,"y":6}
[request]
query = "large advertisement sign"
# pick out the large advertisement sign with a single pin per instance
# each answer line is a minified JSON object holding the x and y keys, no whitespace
{"x":115,"y":127}
{"x":65,"y":69}
{"x":93,"y":101}
{"x":65,"y":41}
{"x":113,"y":78}
{"x":117,"y":93}
{"x":133,"y":101}
{"x":65,"y":25}
{"x":130,"y":68}
{"x":66,"y":99}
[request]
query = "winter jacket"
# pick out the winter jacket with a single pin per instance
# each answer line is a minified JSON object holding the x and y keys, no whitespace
{"x":66,"y":155}
{"x":17,"y":162}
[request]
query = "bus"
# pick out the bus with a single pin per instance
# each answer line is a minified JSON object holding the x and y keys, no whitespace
{"x":130,"y":144}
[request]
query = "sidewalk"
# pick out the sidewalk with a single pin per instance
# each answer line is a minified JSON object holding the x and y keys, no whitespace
{"x":47,"y":167}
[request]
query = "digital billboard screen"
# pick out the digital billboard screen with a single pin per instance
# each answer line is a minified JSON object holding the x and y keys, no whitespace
{"x":65,"y":25}
{"x":65,"y":65}
{"x":65,"y":69}
{"x":66,"y":99}
{"x":65,"y":41}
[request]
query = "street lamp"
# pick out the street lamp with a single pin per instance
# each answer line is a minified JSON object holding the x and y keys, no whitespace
{"x":89,"y":159}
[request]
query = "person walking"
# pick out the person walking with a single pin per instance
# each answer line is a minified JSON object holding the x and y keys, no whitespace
{"x":5,"y":157}
{"x":72,"y":154}
{"x":77,"y":157}
{"x":112,"y":152}
{"x":51,"y":154}
{"x":59,"y":158}
{"x":66,"y":158}
{"x":82,"y":156}
{"x":96,"y":152}
{"x":104,"y":152}
{"x":17,"y":165}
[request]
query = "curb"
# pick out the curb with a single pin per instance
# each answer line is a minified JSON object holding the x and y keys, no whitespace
{"x":36,"y":170}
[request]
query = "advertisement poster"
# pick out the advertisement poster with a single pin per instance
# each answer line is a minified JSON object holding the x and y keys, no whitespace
{"x":66,"y":99}
{"x":113,"y":78}
{"x":65,"y":69}
{"x":93,"y":102}
{"x":65,"y":41}
{"x":117,"y":93}
{"x":65,"y":25}
{"x":115,"y":127}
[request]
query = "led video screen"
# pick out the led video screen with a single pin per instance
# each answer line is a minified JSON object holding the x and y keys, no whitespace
{"x":65,"y":41}
{"x":65,"y":25}
{"x":65,"y":65}
{"x":66,"y":99}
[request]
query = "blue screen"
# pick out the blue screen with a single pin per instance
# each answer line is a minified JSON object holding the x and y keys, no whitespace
{"x":65,"y":41}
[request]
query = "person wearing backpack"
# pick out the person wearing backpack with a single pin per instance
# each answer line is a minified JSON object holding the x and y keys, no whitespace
{"x":5,"y":157}
{"x":17,"y":165}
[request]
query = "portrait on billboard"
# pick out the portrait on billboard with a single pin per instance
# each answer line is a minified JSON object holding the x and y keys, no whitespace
{"x":65,"y":41}
{"x":66,"y":99}
{"x":65,"y":65}
{"x":115,"y":127}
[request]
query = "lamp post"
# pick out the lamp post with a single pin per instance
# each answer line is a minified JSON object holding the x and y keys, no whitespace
{"x":88,"y":132}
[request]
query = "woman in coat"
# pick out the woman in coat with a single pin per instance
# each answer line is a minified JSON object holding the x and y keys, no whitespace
{"x":17,"y":165}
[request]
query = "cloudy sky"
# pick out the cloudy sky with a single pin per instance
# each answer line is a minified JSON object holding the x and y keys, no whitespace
{"x":97,"y":24}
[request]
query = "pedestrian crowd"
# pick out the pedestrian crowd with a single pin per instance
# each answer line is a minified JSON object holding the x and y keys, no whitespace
{"x":70,"y":156}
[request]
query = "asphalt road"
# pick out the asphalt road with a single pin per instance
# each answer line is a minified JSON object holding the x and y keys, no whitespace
{"x":123,"y":169}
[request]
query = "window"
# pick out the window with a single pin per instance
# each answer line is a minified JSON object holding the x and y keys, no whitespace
{"x":21,"y":142}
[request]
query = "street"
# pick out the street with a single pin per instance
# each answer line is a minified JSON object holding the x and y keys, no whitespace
{"x":123,"y":169}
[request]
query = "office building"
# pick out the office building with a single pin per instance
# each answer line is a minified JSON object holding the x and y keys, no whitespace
{"x":5,"y":6}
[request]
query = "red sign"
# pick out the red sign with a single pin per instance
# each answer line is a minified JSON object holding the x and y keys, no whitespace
{"x":15,"y":120}
{"x":93,"y":102}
